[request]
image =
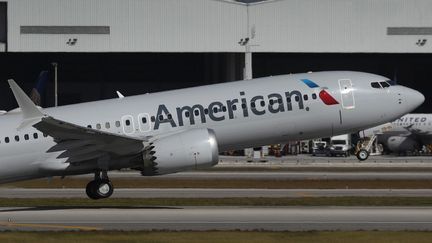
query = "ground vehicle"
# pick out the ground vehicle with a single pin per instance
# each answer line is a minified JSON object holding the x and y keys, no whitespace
{"x":320,"y":148}
{"x":340,"y":145}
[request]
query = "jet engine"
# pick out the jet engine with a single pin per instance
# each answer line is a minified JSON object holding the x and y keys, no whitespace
{"x":399,"y":144}
{"x":191,"y":149}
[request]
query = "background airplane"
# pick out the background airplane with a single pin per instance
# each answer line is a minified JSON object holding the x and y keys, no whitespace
{"x":404,"y":135}
{"x":185,"y":129}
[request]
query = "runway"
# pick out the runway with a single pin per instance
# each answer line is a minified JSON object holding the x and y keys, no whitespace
{"x":218,"y":218}
{"x":215,"y":193}
{"x":285,"y":175}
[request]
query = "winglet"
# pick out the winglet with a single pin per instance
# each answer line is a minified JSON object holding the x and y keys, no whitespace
{"x":29,"y":110}
{"x":120,"y":95}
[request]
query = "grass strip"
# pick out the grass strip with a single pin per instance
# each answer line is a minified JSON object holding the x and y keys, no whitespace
{"x":159,"y":182}
{"x":219,"y":236}
{"x":179,"y":202}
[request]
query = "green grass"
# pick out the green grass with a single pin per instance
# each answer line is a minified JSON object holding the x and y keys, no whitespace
{"x":160,"y":182}
{"x":215,"y":236}
{"x":178,"y":202}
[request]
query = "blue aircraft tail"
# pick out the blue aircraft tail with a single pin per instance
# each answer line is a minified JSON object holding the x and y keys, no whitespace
{"x":38,"y":91}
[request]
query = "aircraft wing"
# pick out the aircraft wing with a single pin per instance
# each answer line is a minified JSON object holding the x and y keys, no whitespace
{"x":82,"y":144}
{"x":78,"y":143}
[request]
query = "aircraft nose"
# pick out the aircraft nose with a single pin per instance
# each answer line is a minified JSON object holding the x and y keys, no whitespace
{"x":412,"y":98}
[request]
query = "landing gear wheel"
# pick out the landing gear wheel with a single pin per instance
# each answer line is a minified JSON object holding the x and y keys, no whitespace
{"x":104,"y":188}
{"x":363,"y":155}
{"x":90,"y":190}
{"x":99,"y":189}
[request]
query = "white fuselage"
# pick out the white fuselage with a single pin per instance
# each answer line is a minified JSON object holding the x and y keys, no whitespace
{"x":240,"y":113}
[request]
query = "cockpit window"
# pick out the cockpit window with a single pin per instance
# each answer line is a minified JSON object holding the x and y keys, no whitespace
{"x":385,"y":84}
{"x":376,"y":85}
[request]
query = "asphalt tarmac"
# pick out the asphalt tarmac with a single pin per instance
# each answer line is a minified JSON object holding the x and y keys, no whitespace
{"x":215,"y":193}
{"x":217,"y":218}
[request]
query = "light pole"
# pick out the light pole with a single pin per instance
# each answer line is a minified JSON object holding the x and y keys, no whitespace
{"x":55,"y":65}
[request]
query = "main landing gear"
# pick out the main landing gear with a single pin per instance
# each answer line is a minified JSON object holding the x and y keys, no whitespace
{"x":100,"y":187}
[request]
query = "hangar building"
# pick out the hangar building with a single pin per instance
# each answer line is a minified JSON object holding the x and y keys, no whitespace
{"x":139,"y":46}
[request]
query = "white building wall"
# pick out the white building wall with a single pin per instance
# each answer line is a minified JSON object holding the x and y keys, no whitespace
{"x":135,"y":25}
{"x":217,"y":25}
{"x":339,"y":25}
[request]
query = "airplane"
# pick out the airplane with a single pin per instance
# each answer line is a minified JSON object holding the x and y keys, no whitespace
{"x":406,"y":134}
{"x":185,"y":129}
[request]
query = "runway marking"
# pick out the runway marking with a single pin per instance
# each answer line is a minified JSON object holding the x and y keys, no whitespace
{"x":49,"y":226}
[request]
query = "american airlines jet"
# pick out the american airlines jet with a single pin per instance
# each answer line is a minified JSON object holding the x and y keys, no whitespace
{"x":186,"y":129}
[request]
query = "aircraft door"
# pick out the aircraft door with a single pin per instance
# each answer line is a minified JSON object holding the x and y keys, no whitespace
{"x":128,"y":124}
{"x":347,"y":94}
{"x":144,"y":122}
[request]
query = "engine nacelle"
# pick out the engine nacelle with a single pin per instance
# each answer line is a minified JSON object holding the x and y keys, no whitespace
{"x":191,"y":149}
{"x":401,"y":144}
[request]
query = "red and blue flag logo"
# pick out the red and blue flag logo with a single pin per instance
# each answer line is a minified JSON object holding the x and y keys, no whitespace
{"x":323,"y":94}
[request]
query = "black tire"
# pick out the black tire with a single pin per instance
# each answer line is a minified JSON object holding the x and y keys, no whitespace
{"x":103,"y":188}
{"x":90,"y":190}
{"x":362,"y":155}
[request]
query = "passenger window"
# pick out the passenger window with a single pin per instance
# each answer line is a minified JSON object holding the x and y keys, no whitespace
{"x":262,"y":103}
{"x":45,"y":135}
{"x":244,"y":106}
{"x":98,"y":126}
{"x":288,"y":99}
{"x":35,"y":135}
{"x":187,"y":114}
{"x":234,"y":107}
{"x":144,"y":120}
{"x":128,"y":122}
{"x":169,"y":117}
{"x":224,"y":109}
{"x":26,"y":137}
{"x":17,"y":138}
{"x":314,"y":96}
{"x":7,"y":140}
{"x":153,"y":119}
{"x":206,"y":111}
{"x":161,"y":117}
{"x":271,"y":102}
{"x":305,"y":97}
{"x":297,"y":98}
{"x":117,"y":123}
{"x":196,"y":112}
{"x":89,"y":126}
{"x":107,"y":125}
{"x":376,"y":85}
{"x":253,"y":105}
{"x":215,"y":110}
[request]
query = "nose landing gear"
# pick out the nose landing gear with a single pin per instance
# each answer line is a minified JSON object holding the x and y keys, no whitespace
{"x":100,"y":188}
